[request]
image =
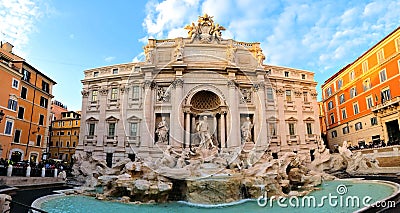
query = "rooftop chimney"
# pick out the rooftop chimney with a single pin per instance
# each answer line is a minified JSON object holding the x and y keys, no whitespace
{"x":7,"y":47}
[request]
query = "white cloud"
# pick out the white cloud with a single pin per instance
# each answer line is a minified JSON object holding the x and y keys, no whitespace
{"x":109,"y":58}
{"x":18,"y":19}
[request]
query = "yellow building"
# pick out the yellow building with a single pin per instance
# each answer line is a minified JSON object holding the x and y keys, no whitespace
{"x":64,"y":135}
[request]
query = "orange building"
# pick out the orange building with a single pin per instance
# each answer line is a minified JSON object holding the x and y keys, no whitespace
{"x":24,"y":99}
{"x":361,"y":101}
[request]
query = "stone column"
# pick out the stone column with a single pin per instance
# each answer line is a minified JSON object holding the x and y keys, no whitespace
{"x":187,"y":130}
{"x":101,"y":129}
{"x":177,"y":130}
{"x":222,"y":125}
{"x":148,"y":137}
{"x":83,"y":131}
{"x":260,"y":136}
{"x":234,"y":121}
{"x":123,"y":131}
{"x":215,"y":125}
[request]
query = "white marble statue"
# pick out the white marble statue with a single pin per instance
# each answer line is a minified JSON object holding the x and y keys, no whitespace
{"x":246,"y":130}
{"x":203,"y":131}
{"x":162,"y":131}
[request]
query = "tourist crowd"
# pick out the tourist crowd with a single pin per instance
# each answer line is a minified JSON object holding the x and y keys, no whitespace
{"x":375,"y":145}
{"x":19,"y":168}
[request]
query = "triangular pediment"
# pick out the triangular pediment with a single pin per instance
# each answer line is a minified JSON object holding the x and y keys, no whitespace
{"x":112,"y":118}
{"x":272,"y":119}
{"x":92,"y":119}
{"x":291,"y":119}
{"x":134,"y":118}
{"x":309,"y":119}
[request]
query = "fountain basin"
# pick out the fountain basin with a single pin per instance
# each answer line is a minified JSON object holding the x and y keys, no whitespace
{"x":377,"y":190}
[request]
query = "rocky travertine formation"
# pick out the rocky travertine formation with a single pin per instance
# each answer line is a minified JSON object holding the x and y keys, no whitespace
{"x":207,"y":181}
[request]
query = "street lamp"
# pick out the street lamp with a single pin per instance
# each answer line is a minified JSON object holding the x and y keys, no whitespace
{"x":1,"y":115}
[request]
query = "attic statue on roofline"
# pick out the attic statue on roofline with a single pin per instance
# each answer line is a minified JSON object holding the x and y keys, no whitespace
{"x":205,"y":31}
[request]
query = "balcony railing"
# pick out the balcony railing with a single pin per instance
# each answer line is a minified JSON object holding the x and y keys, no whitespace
{"x":392,"y":102}
{"x":90,"y":140}
{"x":275,"y":139}
{"x":132,"y":140}
{"x":311,"y":138}
{"x":110,"y":139}
{"x":292,"y":139}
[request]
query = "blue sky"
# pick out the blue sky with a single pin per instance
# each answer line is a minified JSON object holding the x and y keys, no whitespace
{"x":63,"y":38}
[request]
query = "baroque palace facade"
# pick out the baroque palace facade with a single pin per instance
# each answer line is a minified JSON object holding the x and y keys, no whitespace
{"x":192,"y":90}
{"x":361,"y":101}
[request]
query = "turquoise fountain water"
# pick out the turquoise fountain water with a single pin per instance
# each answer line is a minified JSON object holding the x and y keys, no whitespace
{"x":361,"y":189}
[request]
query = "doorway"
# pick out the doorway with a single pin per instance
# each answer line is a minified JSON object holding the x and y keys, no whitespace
{"x":109,"y":157}
{"x":393,"y":132}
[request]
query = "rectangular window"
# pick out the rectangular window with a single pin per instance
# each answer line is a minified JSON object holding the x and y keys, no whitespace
{"x":38,"y":140}
{"x":398,"y":44}
{"x":135,"y":93}
{"x":334,"y":134}
{"x":303,"y":76}
{"x":344,"y":114}
{"x":270,"y":94}
{"x":62,"y":133}
{"x":91,"y":129}
{"x":339,"y":83}
{"x":345,"y":130}
{"x":44,"y":102}
{"x":385,"y":95}
{"x":111,"y":129}
{"x":95,"y":74}
{"x":272,"y":129}
{"x":330,"y":105}
{"x":24,"y":92}
{"x":26,"y":75}
{"x":21,"y":112}
{"x":114,"y":93}
{"x":370,"y":102}
{"x":115,"y":71}
{"x":286,"y":74}
{"x":332,"y":118}
{"x":352,"y":75}
{"x":328,"y":92}
{"x":15,"y":83}
{"x":309,"y":128}
{"x":366,"y":84}
{"x":8,"y":127}
{"x":291,"y":129}
{"x":41,"y":120}
{"x":12,"y":104}
{"x":45,"y":86}
{"x":374,"y":121}
{"x":133,"y":129}
{"x":380,"y":56}
{"x":382,"y":75}
{"x":17,"y":136}
{"x":341,"y":99}
{"x":355,"y":109}
{"x":353,"y":92}
{"x":288,"y":95}
{"x":94,"y":95}
{"x":305,"y":96}
{"x":358,"y":126}
{"x":364,"y":66}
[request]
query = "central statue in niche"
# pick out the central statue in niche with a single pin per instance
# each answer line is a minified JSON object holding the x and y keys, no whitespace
{"x":204,"y":132}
